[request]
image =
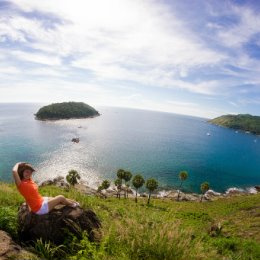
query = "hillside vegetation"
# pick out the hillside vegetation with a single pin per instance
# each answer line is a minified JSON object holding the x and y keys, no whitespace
{"x":66,"y":110}
{"x":243,"y":122}
{"x":166,"y":229}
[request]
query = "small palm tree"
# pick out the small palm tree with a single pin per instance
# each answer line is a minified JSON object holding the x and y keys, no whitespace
{"x":118,"y":184}
{"x":120,"y":174}
{"x":183,"y":175}
{"x":127,"y":177}
{"x":104,"y":186}
{"x":73,"y":177}
{"x":151,"y":185}
{"x":138,"y":181}
{"x":204,"y":187}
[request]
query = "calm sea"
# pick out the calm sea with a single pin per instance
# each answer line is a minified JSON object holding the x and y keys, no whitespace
{"x":154,"y":144}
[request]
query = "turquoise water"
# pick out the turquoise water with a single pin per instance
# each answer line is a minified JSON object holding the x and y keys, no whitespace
{"x":155,"y":144}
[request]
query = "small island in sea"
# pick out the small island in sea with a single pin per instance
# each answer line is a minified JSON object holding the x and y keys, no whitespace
{"x":66,"y":110}
{"x":243,"y":122}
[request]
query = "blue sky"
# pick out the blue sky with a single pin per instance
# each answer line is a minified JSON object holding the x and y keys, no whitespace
{"x":190,"y":57}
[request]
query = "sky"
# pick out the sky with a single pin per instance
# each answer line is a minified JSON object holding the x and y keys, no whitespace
{"x":190,"y":57}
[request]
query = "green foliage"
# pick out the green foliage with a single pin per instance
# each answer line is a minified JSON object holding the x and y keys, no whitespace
{"x":204,"y":187}
{"x":104,"y":185}
{"x":118,"y":184}
{"x":8,"y":220}
{"x":66,"y":110}
{"x":73,"y":177}
{"x":243,"y":122}
{"x":183,"y":175}
{"x":151,"y":185}
{"x":120,"y":174}
{"x":138,"y":181}
{"x":127,"y":176}
{"x":47,"y":250}
{"x":166,"y":230}
{"x":236,"y":248}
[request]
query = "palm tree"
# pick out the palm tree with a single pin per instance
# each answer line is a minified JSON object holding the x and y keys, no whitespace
{"x":105,"y":185}
{"x":118,"y":184}
{"x":138,"y":181}
{"x":120,"y":174}
{"x":204,"y":187}
{"x":151,"y":185}
{"x":127,"y":177}
{"x":183,"y":175}
{"x":73,"y":177}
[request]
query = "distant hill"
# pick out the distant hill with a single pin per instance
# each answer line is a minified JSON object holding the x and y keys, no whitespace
{"x":66,"y":110}
{"x":243,"y":122}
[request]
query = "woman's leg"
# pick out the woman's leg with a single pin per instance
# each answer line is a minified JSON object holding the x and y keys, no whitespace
{"x":60,"y":199}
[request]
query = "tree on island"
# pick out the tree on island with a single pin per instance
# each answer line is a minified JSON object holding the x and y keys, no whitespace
{"x":151,"y":185}
{"x":73,"y":177}
{"x":204,"y":187}
{"x":138,"y":181}
{"x":104,"y":185}
{"x":183,"y":175}
{"x":118,"y":184}
{"x":66,"y":110}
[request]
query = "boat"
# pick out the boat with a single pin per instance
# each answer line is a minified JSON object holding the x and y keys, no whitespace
{"x":208,"y":134}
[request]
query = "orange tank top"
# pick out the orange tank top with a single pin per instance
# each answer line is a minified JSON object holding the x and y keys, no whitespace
{"x":29,"y":190}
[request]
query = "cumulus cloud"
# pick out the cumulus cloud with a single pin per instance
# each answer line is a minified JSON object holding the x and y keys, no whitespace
{"x":123,"y":44}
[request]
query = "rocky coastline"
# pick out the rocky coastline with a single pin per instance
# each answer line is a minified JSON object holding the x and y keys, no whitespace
{"x":172,"y":194}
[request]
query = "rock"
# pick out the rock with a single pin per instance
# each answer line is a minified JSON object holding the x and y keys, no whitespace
{"x":235,"y":191}
{"x":212,"y":193}
{"x":75,"y":140}
{"x":10,"y":250}
{"x":55,"y":225}
{"x":257,"y":187}
{"x":85,"y":189}
{"x":58,"y":181}
{"x":183,"y":196}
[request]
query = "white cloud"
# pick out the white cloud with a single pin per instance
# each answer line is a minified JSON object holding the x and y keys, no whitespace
{"x":241,"y":32}
{"x":9,"y":70}
{"x":36,"y":58}
{"x":117,"y":36}
{"x":124,"y":44}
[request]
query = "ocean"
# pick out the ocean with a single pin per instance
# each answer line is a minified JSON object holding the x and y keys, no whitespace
{"x":155,"y":144}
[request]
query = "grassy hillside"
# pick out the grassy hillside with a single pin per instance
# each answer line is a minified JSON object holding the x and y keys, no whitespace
{"x":66,"y":110}
{"x":164,"y":230}
{"x":239,"y":122}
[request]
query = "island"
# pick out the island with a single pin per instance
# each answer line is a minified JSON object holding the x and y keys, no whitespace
{"x":244,"y":122}
{"x":66,"y":110}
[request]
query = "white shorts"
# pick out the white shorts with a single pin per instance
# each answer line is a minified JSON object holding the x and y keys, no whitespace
{"x":44,"y":208}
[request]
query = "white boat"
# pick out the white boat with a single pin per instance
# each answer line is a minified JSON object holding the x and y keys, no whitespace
{"x":208,"y":134}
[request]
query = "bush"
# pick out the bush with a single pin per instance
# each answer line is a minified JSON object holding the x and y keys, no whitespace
{"x":8,"y":220}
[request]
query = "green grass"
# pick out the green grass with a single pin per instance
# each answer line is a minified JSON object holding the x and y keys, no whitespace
{"x":164,"y":230}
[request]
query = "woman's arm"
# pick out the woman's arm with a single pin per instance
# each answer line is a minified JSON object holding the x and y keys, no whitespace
{"x":16,"y":175}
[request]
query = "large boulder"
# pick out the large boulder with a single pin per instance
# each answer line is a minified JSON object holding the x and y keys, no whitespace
{"x":10,"y":250}
{"x":55,"y":225}
{"x":58,"y":181}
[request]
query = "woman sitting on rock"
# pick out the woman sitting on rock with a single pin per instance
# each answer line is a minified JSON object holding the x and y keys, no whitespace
{"x":22,"y":173}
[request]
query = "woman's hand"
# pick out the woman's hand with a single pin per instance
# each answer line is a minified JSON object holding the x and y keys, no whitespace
{"x":16,"y":175}
{"x":16,"y":166}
